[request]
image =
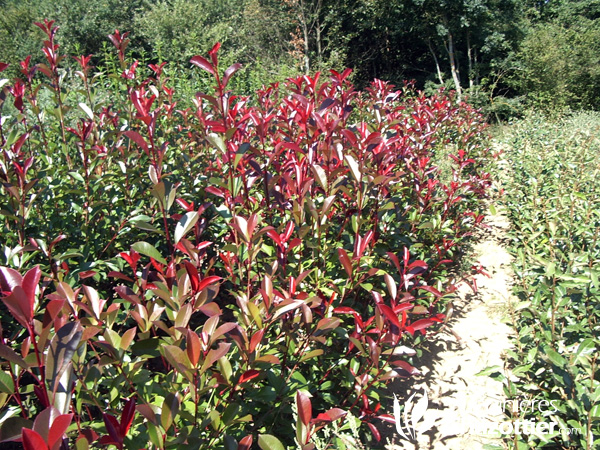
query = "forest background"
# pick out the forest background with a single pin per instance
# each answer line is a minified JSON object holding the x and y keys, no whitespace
{"x":505,"y":56}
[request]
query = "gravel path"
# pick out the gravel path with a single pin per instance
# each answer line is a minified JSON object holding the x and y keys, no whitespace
{"x":459,"y":402}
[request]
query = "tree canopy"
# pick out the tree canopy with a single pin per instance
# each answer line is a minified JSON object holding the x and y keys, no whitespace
{"x":495,"y":52}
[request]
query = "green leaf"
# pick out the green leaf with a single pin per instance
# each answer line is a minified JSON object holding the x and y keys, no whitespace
{"x":77,"y":176}
{"x":488,"y":371}
{"x":354,"y":169}
{"x":185,"y":224}
{"x":585,"y":349}
{"x":230,"y":443}
{"x":550,"y":269}
{"x":554,"y":357}
{"x":169,"y":410}
{"x":311,"y":354}
{"x":86,"y":109}
{"x":266,"y":394}
{"x":239,"y":154}
{"x":216,"y":141}
{"x":11,"y":428}
{"x":147,"y":347}
{"x":149,"y":250}
{"x":6,"y":383}
{"x":269,"y":442}
{"x":62,"y":348}
{"x":521,"y":369}
{"x":82,"y":444}
{"x":10,"y":355}
{"x":320,"y":175}
{"x":230,"y":413}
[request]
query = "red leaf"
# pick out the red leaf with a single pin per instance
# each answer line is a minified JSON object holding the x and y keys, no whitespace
{"x":406,"y":366}
{"x":107,"y":440}
{"x":389,"y":314}
{"x":394,"y":259}
{"x":58,"y":429}
{"x":203,"y":64}
{"x":344,"y":310}
{"x":304,"y":407}
{"x":423,"y":323}
{"x":245,"y":443}
{"x":208,"y":280}
{"x":119,"y":275}
{"x":127,"y":294}
{"x":213,"y":52}
{"x":321,"y":417}
{"x":375,"y":432}
{"x":210,"y":309}
{"x":345,"y":260}
{"x":30,"y":282}
{"x":138,"y":139}
{"x":289,"y":228}
{"x":32,"y":440}
{"x":433,"y":290}
{"x":255,"y":340}
{"x":215,"y":191}
{"x":335,"y":413}
{"x":403,"y":307}
{"x":275,"y":236}
{"x":229,"y":72}
{"x":127,"y":416}
{"x":113,"y":429}
{"x":192,"y":347}
{"x":248,"y":375}
{"x":18,"y":305}
{"x":9,"y":278}
{"x":87,"y":274}
{"x":193,"y":275}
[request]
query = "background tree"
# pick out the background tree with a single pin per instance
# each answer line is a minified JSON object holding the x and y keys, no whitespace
{"x":501,"y":53}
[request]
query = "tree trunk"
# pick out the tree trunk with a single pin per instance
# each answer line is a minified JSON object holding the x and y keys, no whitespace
{"x":470,"y":60}
{"x":306,"y":49}
{"x":318,"y":38}
{"x":437,"y":63}
{"x":453,"y":67}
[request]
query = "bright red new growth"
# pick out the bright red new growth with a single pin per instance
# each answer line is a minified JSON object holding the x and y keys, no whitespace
{"x":223,"y":258}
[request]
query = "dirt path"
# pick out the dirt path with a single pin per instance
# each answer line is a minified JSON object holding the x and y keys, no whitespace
{"x":459,"y":402}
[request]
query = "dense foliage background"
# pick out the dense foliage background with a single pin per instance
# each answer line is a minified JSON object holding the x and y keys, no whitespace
{"x":505,"y":54}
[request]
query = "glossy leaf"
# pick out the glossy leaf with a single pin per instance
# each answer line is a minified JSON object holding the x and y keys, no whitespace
{"x":149,"y":250}
{"x":269,"y":442}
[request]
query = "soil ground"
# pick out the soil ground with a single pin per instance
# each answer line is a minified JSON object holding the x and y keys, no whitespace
{"x":460,"y":403}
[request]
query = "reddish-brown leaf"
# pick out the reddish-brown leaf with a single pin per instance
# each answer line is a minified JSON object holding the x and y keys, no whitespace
{"x":58,"y":429}
{"x":127,"y":416}
{"x":304,"y":407}
{"x":245,"y":443}
{"x":229,"y":72}
{"x":248,"y":375}
{"x":255,"y":340}
{"x":345,"y":260}
{"x":375,"y":432}
{"x":138,"y":139}
{"x":32,"y":440}
{"x":208,"y":281}
{"x":203,"y":64}
{"x":193,"y":347}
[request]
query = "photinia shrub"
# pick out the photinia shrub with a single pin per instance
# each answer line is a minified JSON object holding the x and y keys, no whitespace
{"x":221,"y":271}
